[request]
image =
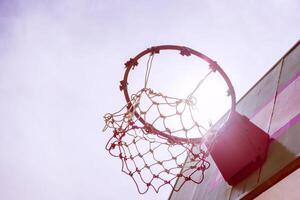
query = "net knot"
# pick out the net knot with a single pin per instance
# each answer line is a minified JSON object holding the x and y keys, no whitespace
{"x":191,"y":101}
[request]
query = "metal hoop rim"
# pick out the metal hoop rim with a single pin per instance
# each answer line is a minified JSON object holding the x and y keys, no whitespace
{"x":184,"y":51}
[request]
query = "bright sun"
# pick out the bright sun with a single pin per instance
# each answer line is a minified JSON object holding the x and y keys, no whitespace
{"x":212,"y":101}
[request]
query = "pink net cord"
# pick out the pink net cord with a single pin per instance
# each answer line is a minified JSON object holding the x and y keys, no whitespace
{"x":158,"y":141}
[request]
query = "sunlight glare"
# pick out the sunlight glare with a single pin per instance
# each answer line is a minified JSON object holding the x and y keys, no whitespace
{"x":211,"y":97}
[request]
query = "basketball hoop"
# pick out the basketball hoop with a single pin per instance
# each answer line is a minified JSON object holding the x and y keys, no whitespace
{"x":140,"y":143}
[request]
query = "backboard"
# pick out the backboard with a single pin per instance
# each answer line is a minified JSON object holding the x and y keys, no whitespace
{"x":273,"y":105}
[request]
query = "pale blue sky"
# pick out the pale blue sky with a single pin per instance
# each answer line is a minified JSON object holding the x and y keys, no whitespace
{"x":60,"y":66}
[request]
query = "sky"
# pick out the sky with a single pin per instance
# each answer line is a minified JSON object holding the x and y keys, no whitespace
{"x":60,"y":66}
